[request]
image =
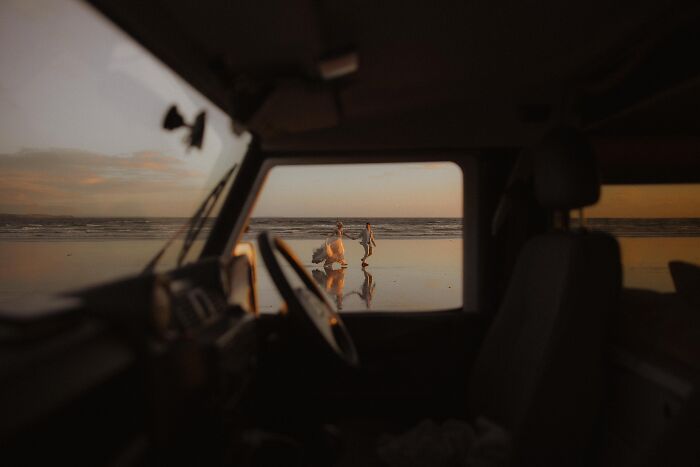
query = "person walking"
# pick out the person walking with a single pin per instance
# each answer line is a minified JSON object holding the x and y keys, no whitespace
{"x":367,"y":242}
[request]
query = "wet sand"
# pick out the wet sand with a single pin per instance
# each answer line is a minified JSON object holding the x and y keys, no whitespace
{"x":47,"y":267}
{"x":645,"y":260}
{"x":403,"y":274}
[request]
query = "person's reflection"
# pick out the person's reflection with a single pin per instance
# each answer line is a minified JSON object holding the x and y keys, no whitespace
{"x":367,"y":291}
{"x":332,"y":281}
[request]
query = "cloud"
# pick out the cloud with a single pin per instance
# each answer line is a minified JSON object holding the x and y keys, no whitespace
{"x":151,"y":161}
{"x":60,"y":181}
{"x":94,"y":180}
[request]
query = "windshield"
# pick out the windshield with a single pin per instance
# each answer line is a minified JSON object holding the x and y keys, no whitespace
{"x":91,"y":186}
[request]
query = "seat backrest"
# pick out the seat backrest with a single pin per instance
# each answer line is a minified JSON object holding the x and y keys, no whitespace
{"x":539,"y":373}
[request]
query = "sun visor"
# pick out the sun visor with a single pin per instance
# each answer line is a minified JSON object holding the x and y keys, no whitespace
{"x":293,"y":107}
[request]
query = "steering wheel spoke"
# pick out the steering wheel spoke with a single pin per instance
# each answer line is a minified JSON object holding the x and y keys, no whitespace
{"x":309,"y":304}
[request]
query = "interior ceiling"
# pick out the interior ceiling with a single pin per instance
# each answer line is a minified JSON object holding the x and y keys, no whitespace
{"x":450,"y":74}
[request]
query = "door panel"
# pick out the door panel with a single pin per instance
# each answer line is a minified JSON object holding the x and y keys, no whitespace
{"x":419,"y":360}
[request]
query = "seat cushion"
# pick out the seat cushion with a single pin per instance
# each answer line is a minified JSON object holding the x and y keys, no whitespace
{"x":361,"y":436}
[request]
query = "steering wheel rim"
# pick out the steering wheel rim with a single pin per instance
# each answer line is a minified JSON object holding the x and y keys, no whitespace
{"x":322,"y":319}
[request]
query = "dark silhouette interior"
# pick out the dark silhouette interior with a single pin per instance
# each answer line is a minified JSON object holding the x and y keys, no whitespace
{"x":539,"y":104}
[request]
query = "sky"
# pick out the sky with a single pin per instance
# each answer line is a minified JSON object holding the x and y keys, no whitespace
{"x":80,"y":127}
{"x":647,"y":201}
{"x":80,"y":135}
{"x":362,"y":190}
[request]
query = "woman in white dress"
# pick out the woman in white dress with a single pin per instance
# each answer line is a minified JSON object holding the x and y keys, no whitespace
{"x":332,"y":250}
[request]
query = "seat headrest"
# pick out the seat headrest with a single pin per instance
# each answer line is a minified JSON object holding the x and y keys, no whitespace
{"x":565,"y":170}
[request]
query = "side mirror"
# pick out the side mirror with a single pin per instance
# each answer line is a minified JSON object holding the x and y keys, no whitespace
{"x":197,"y":131}
{"x":174,"y":120}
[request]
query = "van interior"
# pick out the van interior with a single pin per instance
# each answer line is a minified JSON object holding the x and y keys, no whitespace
{"x":551,"y":359}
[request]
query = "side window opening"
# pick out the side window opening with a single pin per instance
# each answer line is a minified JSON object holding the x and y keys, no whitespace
{"x":654,"y":224}
{"x":416,"y":221}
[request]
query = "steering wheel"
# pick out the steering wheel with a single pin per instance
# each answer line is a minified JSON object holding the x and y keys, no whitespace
{"x":307,"y":305}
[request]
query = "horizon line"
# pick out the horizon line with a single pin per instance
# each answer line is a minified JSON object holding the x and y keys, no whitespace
{"x":55,"y":216}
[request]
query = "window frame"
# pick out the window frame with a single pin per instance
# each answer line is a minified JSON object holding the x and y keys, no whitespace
{"x":258,"y":164}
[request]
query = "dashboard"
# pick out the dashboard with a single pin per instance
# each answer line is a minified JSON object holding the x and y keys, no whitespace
{"x":150,"y":357}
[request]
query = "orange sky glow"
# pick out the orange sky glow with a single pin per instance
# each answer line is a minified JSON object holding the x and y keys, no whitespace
{"x":647,"y":201}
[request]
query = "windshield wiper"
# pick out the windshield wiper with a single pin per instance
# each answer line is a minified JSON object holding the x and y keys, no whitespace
{"x":194,"y":225}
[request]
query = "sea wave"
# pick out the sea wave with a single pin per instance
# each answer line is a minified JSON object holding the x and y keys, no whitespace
{"x":652,"y":227}
{"x":59,"y":228}
{"x":384,"y":227}
{"x":163,"y":228}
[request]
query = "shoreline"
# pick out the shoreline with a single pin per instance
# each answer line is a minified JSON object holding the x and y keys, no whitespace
{"x":42,"y":229}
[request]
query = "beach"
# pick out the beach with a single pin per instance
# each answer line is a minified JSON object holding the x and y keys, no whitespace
{"x":400,"y":275}
{"x":416,"y":266}
{"x":31,"y":267}
{"x":404,"y":274}
{"x":645,"y":260}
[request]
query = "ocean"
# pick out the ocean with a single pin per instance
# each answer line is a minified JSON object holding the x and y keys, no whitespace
{"x":106,"y":228}
{"x":661,"y":227}
{"x":97,"y":228}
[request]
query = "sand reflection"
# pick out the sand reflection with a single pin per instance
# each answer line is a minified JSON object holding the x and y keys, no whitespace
{"x":366,"y":292}
{"x":413,"y":274}
{"x":332,"y":281}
